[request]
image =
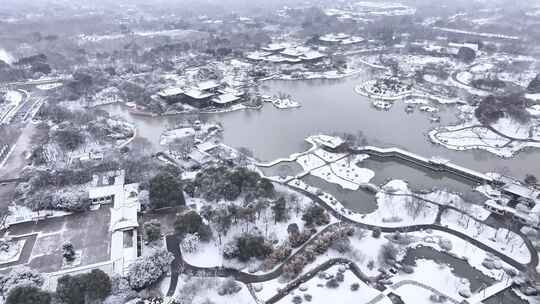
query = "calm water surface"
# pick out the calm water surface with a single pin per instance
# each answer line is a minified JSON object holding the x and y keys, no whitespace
{"x":332,"y":106}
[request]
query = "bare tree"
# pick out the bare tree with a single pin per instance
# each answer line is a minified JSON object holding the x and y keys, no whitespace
{"x":184,"y":145}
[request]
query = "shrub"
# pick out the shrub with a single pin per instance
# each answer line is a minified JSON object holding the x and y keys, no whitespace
{"x":376,"y":233}
{"x":28,"y":295}
{"x":191,"y":222}
{"x":152,"y":230}
{"x":19,"y":276}
{"x":68,"y":252}
{"x":190,"y":243}
{"x":388,"y":254}
{"x":165,"y":191}
{"x":466,"y":54}
{"x":229,"y":287}
{"x":355,"y":286}
{"x":69,"y":139}
{"x":340,"y":277}
{"x":341,"y":245}
{"x":98,"y":285}
{"x":298,"y":239}
{"x":147,"y":270}
{"x":315,"y":215}
{"x":308,"y":297}
{"x":249,"y":246}
{"x":332,"y":283}
{"x":280,"y":210}
{"x":297,"y":299}
{"x":93,"y":286}
{"x":277,"y":256}
{"x":223,"y":183}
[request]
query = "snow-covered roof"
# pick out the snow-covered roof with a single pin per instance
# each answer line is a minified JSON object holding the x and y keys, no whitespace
{"x":125,"y":208}
{"x":334,"y":37}
{"x":225,"y":98}
{"x":279,"y":59}
{"x":310,"y":55}
{"x":168,"y":92}
{"x":274,"y":47}
{"x":294,"y":52}
{"x":258,"y":55}
{"x":520,"y":190}
{"x":352,"y":40}
{"x":200,"y":157}
{"x":206,"y":146}
{"x":207,"y":85}
{"x":198,"y":94}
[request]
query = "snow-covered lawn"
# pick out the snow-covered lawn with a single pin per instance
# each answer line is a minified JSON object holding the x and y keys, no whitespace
{"x":502,"y":240}
{"x":397,"y":208}
{"x":198,"y":290}
{"x":342,"y":294}
{"x":437,"y":276}
{"x":410,"y":293}
{"x":310,"y":161}
{"x":328,"y":156}
{"x":328,"y":175}
{"x":49,"y":86}
{"x":170,"y":135}
{"x":210,"y":254}
{"x":443,"y":197}
{"x":13,"y":253}
{"x":513,"y":128}
{"x":461,"y":249}
{"x":347,"y":169}
{"x":470,"y":136}
{"x":337,"y":168}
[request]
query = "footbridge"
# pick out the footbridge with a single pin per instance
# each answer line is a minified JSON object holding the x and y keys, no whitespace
{"x":490,"y":291}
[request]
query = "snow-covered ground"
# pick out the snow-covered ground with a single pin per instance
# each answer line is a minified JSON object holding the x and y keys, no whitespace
{"x":502,"y":240}
{"x":187,"y":131}
{"x":342,"y":294}
{"x":411,"y":293}
{"x":397,"y":208}
{"x":210,"y":254}
{"x":200,"y":290}
{"x":462,"y":249}
{"x":470,"y":135}
{"x":6,"y":57}
{"x":13,"y":253}
{"x":443,"y":197}
{"x":437,"y":276}
{"x":49,"y":86}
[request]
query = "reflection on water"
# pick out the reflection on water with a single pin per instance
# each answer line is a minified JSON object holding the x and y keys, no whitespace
{"x":460,"y":268}
{"x":507,"y":297}
{"x":420,"y":178}
{"x":333,"y":106}
{"x":361,"y":201}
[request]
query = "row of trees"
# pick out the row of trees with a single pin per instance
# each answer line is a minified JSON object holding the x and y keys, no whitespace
{"x":23,"y":286}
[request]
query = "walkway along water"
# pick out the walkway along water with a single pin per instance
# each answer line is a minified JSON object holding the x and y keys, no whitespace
{"x":179,"y":265}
